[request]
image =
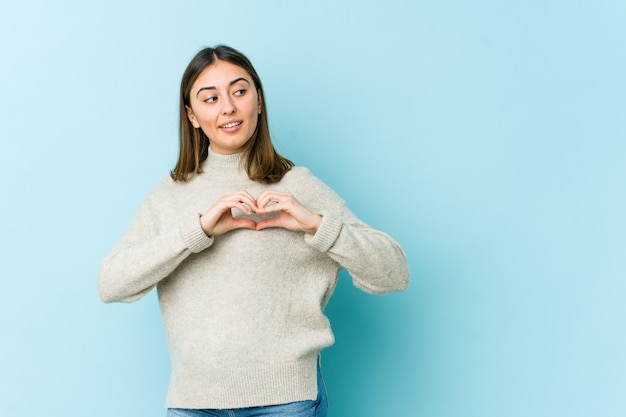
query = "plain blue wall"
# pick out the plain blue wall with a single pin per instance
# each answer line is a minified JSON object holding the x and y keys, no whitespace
{"x":488,"y":137}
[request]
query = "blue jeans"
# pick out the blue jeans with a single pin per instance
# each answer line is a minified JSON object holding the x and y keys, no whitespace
{"x":308,"y":408}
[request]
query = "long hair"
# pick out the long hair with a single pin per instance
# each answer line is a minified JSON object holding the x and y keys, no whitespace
{"x":259,"y":158}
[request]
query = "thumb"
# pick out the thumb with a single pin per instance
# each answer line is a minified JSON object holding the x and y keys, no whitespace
{"x":243,"y":224}
{"x":267,"y":223}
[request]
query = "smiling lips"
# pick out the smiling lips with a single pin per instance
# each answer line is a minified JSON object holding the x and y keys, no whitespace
{"x":231,"y":125}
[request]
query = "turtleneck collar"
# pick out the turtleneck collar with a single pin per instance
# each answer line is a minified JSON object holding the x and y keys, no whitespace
{"x":222,"y":166}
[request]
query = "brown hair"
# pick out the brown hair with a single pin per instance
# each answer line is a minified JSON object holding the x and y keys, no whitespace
{"x":259,"y":158}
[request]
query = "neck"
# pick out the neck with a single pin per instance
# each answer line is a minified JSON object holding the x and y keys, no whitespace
{"x":223,"y":166}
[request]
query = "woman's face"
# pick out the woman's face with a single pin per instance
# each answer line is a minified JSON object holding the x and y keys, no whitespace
{"x":225,"y":104}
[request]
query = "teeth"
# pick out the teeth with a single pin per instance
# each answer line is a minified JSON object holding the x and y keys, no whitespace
{"x":233,"y":124}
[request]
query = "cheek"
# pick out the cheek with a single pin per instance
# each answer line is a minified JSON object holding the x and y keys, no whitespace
{"x":254,"y":109}
{"x":255,"y":118}
{"x":206,"y":117}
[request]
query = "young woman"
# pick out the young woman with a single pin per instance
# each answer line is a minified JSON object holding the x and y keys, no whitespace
{"x":245,"y":250}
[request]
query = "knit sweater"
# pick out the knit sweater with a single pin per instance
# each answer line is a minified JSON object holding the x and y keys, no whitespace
{"x":243,"y":311}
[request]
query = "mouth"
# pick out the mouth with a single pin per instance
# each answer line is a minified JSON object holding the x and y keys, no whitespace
{"x":231,"y":125}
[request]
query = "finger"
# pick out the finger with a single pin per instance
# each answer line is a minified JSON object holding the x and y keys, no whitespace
{"x":223,"y":207}
{"x":242,"y":201}
{"x":266,"y":196}
{"x":248,"y":198}
{"x":268,"y":200}
{"x":270,"y":207}
{"x":242,"y":207}
{"x":221,"y":211}
{"x":243,"y":197}
{"x":267,"y":223}
{"x":227,"y":226}
{"x":243,"y":224}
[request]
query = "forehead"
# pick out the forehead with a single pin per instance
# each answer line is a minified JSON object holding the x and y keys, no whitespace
{"x":220,"y":74}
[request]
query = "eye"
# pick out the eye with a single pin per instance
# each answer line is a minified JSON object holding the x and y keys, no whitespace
{"x":240,"y":92}
{"x":210,"y":100}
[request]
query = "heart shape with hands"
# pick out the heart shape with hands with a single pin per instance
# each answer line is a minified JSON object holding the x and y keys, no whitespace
{"x":270,"y":209}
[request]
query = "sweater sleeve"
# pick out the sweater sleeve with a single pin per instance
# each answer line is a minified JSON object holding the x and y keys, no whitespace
{"x":145,"y":256}
{"x":376,"y":262}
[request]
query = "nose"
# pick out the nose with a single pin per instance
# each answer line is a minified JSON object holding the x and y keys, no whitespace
{"x":228,"y":107}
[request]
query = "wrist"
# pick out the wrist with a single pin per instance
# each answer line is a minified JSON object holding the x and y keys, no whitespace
{"x":317,"y":221}
{"x":204,"y":227}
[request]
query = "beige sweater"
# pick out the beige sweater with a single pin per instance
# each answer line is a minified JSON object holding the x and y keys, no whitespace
{"x":243,"y":311}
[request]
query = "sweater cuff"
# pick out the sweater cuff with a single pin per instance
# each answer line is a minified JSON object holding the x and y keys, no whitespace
{"x":326,"y":235}
{"x":194,"y":237}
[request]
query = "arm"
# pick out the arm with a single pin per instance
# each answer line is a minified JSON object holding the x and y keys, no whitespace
{"x":143,"y":257}
{"x":375,"y":261}
{"x":147,"y":253}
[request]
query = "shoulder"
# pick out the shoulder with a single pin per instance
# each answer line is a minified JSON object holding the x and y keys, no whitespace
{"x":167,"y":188}
{"x":299,"y":172}
{"x":302,"y":177}
{"x":165,"y":185}
{"x":302,"y":182}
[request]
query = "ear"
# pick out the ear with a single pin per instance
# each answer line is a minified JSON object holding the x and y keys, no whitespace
{"x":260,"y":104}
{"x":192,"y":118}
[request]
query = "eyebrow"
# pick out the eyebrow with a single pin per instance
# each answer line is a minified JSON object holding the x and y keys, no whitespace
{"x":235,"y":81}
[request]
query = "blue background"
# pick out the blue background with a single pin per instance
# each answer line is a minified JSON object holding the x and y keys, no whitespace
{"x":487,"y":137}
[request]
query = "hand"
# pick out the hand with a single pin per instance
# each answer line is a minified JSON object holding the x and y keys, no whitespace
{"x":219,"y":218}
{"x":292,"y":214}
